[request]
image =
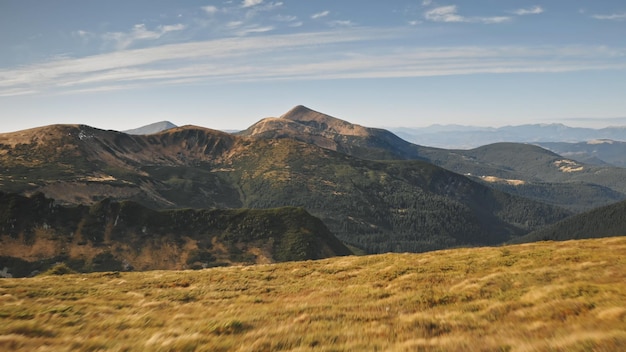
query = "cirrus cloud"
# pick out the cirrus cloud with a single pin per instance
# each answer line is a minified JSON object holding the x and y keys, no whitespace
{"x":611,"y":17}
{"x":535,"y":10}
{"x":320,"y":15}
{"x":450,"y":14}
{"x":365,"y":53}
{"x":123,"y":40}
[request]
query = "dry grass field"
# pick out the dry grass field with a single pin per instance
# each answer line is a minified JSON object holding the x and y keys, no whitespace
{"x":549,"y":296}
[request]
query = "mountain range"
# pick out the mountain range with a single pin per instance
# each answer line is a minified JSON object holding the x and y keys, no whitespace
{"x":520,"y":169}
{"x":585,"y":145}
{"x":373,"y":190}
{"x":467,"y":137}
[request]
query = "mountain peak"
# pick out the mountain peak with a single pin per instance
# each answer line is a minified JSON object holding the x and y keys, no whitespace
{"x":305,"y":116}
{"x":302,"y":113}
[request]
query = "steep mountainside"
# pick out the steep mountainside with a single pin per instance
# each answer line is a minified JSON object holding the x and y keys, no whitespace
{"x":400,"y":205}
{"x":35,"y":233}
{"x":607,"y":221}
{"x":306,"y":125}
{"x":523,"y":169}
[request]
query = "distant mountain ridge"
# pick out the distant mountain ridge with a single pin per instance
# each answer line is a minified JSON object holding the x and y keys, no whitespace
{"x":467,"y":137}
{"x":152,"y":128}
{"x":598,"y":151}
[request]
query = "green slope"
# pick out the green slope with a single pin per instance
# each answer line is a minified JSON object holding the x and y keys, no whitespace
{"x":383,"y":205}
{"x":35,"y":233}
{"x":607,"y":221}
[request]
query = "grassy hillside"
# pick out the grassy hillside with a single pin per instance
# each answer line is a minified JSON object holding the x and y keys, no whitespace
{"x":605,"y":221}
{"x":35,"y":233}
{"x":556,"y":296}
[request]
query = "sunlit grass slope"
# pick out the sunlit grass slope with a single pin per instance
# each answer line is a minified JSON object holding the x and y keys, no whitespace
{"x":550,"y":296}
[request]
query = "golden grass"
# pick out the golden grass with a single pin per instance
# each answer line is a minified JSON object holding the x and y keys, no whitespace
{"x":552,"y":296}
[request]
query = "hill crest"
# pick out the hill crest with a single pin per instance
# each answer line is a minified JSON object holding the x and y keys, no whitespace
{"x":151,"y":128}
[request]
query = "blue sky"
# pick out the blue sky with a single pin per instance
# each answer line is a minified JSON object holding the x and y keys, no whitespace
{"x":226,"y":64}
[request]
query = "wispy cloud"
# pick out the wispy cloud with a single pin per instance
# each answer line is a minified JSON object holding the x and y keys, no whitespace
{"x":444,"y":14}
{"x":250,"y":3}
{"x":139,"y":32}
{"x":535,"y":10}
{"x":168,"y":62}
{"x":285,"y":18}
{"x":611,"y":17}
{"x":83,"y":35}
{"x":254,"y":29}
{"x":292,"y":21}
{"x":450,"y":14}
{"x":320,"y":14}
{"x":341,"y":23}
{"x":234,"y":24}
{"x":304,"y":56}
{"x":258,"y":6}
{"x":211,"y":10}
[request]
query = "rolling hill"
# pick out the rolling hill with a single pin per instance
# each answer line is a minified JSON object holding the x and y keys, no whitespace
{"x":598,"y":151}
{"x":546,"y":176}
{"x":379,"y":206}
{"x":605,"y":221}
{"x":36,"y":233}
